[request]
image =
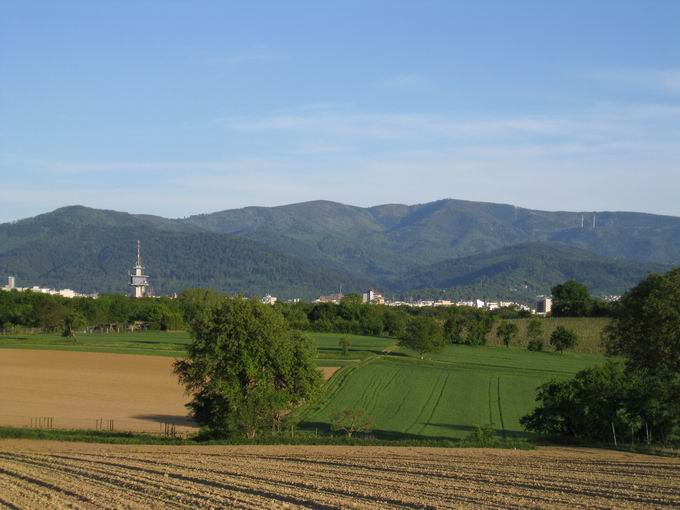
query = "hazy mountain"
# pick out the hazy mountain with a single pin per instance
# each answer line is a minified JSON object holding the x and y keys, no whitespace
{"x":315,"y":247}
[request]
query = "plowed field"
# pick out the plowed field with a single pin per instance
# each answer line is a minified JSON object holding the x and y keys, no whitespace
{"x":57,"y":475}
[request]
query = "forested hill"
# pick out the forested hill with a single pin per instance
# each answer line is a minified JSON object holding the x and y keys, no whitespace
{"x":92,"y":250}
{"x":316,"y":247}
{"x":387,"y":237}
{"x":523,"y":271}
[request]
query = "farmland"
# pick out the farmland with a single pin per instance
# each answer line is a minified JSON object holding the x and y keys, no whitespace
{"x":448,"y":394}
{"x":59,"y":475}
{"x":444,"y":396}
{"x":588,"y":329}
{"x":173,"y":343}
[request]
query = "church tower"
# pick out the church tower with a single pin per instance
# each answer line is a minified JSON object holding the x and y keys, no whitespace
{"x":138,"y":280}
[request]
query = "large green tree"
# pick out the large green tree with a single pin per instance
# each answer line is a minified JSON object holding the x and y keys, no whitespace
{"x":245,"y":368}
{"x":646,"y":325}
{"x":423,"y":335}
{"x":571,"y":299}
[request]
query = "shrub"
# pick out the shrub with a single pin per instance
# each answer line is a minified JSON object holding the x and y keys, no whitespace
{"x":562,"y":339}
{"x":535,"y":344}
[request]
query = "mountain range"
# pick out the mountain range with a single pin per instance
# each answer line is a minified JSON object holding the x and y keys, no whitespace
{"x":448,"y":247}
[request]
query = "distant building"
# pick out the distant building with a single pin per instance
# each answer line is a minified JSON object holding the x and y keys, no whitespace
{"x":331,"y":298}
{"x":11,"y":282}
{"x":373,"y":297}
{"x":269,"y":299}
{"x":544,"y":306}
{"x":138,"y":280}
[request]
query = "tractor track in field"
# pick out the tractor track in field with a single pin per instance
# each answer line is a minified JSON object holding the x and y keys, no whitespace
{"x":45,"y":474}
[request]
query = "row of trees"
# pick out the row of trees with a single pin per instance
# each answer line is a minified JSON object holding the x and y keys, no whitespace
{"x":636,"y":399}
{"x":48,"y":313}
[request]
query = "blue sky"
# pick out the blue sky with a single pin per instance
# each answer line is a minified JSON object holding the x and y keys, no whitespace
{"x":181,"y":107}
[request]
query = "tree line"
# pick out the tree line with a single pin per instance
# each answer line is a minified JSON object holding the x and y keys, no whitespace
{"x":635,"y":396}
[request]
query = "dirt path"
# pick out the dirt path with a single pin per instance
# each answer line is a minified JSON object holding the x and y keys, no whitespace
{"x":78,"y":388}
{"x":54,"y":475}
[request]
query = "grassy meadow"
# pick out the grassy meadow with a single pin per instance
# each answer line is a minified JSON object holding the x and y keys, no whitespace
{"x":446,"y":395}
{"x":173,"y":343}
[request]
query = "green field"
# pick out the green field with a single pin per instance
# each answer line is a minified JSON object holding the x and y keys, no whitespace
{"x":588,"y":329}
{"x":447,"y":395}
{"x":444,"y":396}
{"x":156,"y":343}
{"x":161,"y":343}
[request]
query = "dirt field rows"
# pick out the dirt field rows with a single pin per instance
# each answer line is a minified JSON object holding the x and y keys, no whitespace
{"x":55,"y":475}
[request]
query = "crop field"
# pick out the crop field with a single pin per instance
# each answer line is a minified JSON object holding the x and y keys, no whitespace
{"x":44,"y":474}
{"x":155,"y":343}
{"x":361,"y":346}
{"x":588,"y":329}
{"x":447,"y":394}
{"x":84,"y":390}
{"x":173,"y":344}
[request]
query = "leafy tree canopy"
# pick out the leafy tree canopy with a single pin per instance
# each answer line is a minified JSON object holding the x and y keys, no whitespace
{"x":423,"y":335}
{"x":245,"y":368}
{"x":646,"y":325}
{"x":571,"y":299}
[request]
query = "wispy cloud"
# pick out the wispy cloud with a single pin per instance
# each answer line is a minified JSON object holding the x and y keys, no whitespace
{"x":598,"y":126}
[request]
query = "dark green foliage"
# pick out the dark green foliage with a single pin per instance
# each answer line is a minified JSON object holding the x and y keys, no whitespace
{"x":29,"y":310}
{"x":72,"y":322}
{"x":646,"y":325}
{"x":507,"y":331}
{"x":534,"y":334}
{"x":563,"y":339}
{"x":245,"y":368}
{"x":604,"y":400}
{"x":423,"y":335}
{"x":640,"y":398}
{"x":571,"y":299}
{"x":464,"y":325}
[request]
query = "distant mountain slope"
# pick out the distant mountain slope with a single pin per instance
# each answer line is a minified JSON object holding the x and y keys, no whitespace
{"x":317,"y":247}
{"x":525,"y":271}
{"x":92,"y":250}
{"x":381,"y":241}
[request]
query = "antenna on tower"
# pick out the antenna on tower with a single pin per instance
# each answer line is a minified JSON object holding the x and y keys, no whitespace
{"x":139,"y":252}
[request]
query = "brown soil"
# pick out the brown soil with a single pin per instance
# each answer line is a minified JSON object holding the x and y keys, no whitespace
{"x":328,"y":372}
{"x":42,"y":474}
{"x":78,"y":388}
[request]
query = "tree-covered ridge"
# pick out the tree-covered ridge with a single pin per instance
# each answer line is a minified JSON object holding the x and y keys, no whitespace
{"x":525,"y":271}
{"x":449,"y":247}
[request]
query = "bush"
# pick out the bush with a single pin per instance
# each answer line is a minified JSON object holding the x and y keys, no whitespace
{"x":482,"y":437}
{"x":535,"y":344}
{"x":562,"y":339}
